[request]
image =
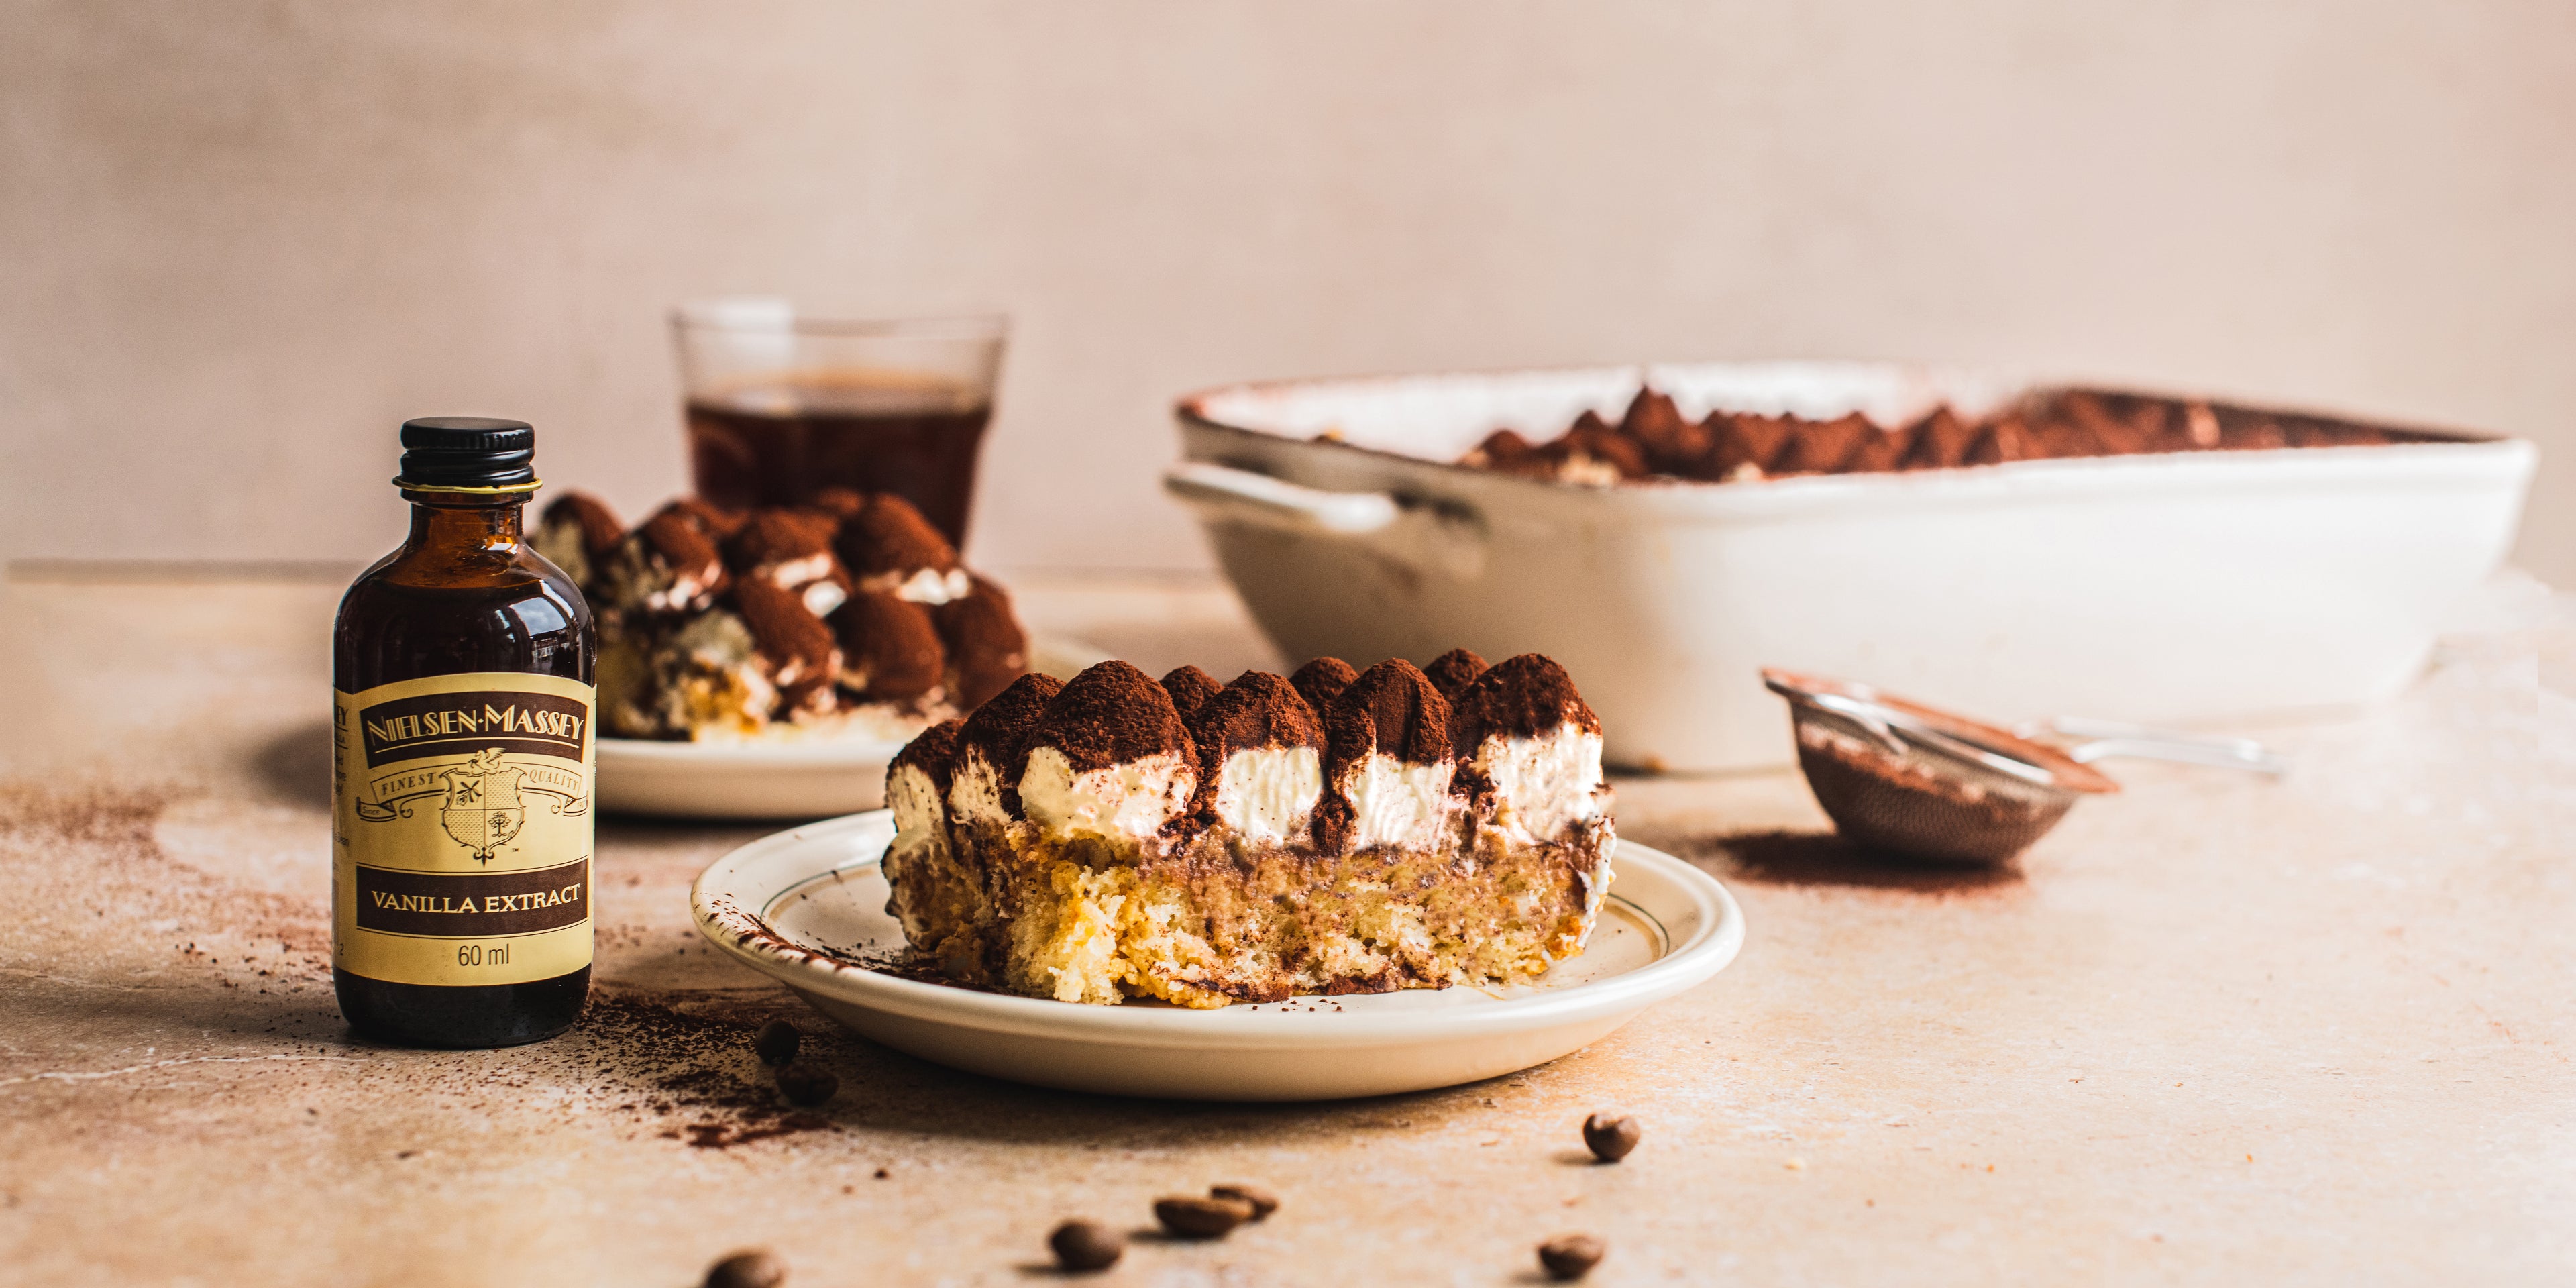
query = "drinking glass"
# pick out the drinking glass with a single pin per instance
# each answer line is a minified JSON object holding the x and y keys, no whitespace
{"x":782,"y":405}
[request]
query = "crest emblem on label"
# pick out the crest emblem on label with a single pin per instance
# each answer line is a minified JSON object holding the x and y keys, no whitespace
{"x":482,"y":809}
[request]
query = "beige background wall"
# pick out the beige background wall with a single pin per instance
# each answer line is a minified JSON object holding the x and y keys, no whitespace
{"x":239,"y":242}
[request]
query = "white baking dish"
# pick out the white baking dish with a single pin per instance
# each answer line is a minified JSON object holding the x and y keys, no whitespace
{"x":2166,"y":588}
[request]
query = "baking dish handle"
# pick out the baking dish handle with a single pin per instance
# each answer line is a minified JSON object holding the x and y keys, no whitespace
{"x":1259,"y":498}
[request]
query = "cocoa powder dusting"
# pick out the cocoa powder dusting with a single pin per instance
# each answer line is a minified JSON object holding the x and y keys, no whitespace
{"x":600,"y":530}
{"x":889,"y":536}
{"x":1111,"y":714}
{"x":934,"y":753}
{"x":999,"y":730}
{"x":1257,"y":710}
{"x":1453,"y":671}
{"x":1322,"y":680}
{"x":1521,"y":697}
{"x":890,"y":646}
{"x":1392,"y":709}
{"x":987,"y":649}
{"x":1190,"y":688}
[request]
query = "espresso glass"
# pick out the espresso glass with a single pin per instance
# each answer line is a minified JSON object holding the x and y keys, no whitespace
{"x":782,"y":405}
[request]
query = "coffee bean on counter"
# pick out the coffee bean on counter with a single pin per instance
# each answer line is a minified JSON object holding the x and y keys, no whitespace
{"x":777,"y":1042}
{"x":807,"y":1084}
{"x":1570,"y":1256}
{"x":1263,"y":1201}
{"x":1086,"y":1245}
{"x":1611,"y":1139}
{"x":758,"y":1268}
{"x":1197,"y":1218}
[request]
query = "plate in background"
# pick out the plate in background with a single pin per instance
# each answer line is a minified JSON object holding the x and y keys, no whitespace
{"x":807,"y":907}
{"x":803,"y":778}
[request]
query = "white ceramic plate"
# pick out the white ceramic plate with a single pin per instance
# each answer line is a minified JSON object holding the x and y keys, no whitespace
{"x":763,"y":780}
{"x":808,"y":907}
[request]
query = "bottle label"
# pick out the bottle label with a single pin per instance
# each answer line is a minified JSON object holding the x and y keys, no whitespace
{"x":461,"y":829}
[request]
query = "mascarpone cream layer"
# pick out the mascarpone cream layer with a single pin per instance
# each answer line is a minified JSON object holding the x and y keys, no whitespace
{"x":1545,"y":784}
{"x":920,"y":817}
{"x":975,"y":793}
{"x":1393,"y":803}
{"x":925,"y":585}
{"x":1269,"y":793}
{"x":1128,"y":801}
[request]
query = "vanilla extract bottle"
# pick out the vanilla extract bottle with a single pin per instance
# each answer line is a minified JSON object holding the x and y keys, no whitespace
{"x":462,"y":673}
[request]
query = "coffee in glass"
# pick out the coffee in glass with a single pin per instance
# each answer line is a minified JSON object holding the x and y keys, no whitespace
{"x":782,"y":406}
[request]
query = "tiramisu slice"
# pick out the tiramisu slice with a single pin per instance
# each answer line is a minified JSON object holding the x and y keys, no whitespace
{"x":1123,"y":838}
{"x":848,"y":616}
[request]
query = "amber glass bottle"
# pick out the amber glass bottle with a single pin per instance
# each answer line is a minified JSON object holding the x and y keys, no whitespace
{"x":462,"y":671}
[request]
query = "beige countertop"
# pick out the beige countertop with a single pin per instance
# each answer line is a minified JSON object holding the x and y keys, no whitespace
{"x":2213,"y":1029}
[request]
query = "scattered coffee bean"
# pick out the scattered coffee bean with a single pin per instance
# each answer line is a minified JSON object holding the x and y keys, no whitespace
{"x":1570,"y":1256}
{"x":807,"y":1084}
{"x":1086,"y":1245}
{"x":1263,"y":1201}
{"x":777,"y":1042}
{"x":1611,"y":1139}
{"x":1197,"y":1218}
{"x":758,"y":1268}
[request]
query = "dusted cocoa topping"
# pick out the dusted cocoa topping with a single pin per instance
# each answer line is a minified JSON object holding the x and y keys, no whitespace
{"x":998,"y":729}
{"x":1453,"y":671}
{"x":1745,"y":441}
{"x":1322,"y":680}
{"x":1506,"y":452}
{"x":686,"y":550}
{"x":716,"y":521}
{"x":934,"y":753}
{"x":841,"y":503}
{"x":1190,"y":688}
{"x":1822,"y":446}
{"x":1521,"y":697}
{"x":2008,"y":439}
{"x":1111,"y":714}
{"x":888,"y":536}
{"x":778,"y":537}
{"x":1654,"y":440}
{"x":798,"y":646}
{"x":2249,"y":431}
{"x":598,"y":525}
{"x":890,"y":647}
{"x":1881,"y":450}
{"x":986,"y":647}
{"x":1257,"y":710}
{"x":1940,"y":441}
{"x":1598,"y":441}
{"x":1671,"y":441}
{"x":1391,"y":708}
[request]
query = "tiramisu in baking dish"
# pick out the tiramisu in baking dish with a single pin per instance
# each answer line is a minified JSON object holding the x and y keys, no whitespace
{"x":849,"y":617}
{"x":1653,"y":439}
{"x":1989,"y":543}
{"x":1331,"y":832}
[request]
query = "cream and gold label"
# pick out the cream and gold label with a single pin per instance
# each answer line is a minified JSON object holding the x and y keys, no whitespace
{"x":461,"y":829}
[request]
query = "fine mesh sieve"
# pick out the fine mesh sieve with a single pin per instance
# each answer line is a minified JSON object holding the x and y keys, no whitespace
{"x":1900,"y":776}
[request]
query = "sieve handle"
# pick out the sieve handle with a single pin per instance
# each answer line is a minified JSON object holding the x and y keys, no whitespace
{"x":2104,"y":739}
